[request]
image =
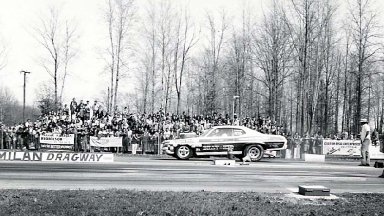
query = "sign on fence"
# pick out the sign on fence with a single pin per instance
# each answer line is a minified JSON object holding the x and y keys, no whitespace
{"x":350,"y":148}
{"x":106,"y":141}
{"x":341,"y":147}
{"x":57,"y":141}
{"x":55,"y":156}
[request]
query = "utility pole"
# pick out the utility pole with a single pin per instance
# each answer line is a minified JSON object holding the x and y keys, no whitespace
{"x":234,"y":108}
{"x":24,"y":87}
{"x":1,"y":128}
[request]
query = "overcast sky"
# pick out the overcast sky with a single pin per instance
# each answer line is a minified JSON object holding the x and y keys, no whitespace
{"x":17,"y":17}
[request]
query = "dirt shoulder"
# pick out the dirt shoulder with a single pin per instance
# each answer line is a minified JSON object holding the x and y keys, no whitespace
{"x":126,"y":202}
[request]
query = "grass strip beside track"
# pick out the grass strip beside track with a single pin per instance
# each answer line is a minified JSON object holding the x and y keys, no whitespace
{"x":127,"y":202}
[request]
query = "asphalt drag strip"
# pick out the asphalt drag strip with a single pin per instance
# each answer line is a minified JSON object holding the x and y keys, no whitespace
{"x":271,"y":176}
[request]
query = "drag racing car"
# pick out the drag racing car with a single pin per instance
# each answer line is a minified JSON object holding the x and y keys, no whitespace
{"x":222,"y":140}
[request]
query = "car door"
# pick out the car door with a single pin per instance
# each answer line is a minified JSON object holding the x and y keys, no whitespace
{"x":238,"y":140}
{"x":216,"y":143}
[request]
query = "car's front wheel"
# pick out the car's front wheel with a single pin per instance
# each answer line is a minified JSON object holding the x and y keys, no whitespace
{"x":183,"y":152}
{"x":254,"y":152}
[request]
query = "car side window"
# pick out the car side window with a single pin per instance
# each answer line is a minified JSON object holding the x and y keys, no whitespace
{"x":213,"y":133}
{"x":238,"y":132}
{"x":225,"y":132}
{"x":221,"y":132}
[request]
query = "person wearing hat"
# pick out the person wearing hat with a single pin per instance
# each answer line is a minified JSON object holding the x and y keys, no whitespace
{"x":365,"y":137}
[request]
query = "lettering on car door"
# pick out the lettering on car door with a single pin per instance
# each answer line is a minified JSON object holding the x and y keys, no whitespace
{"x":219,"y":140}
{"x":237,"y":139}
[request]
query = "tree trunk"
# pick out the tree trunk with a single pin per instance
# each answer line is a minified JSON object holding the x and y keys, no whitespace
{"x":337,"y":102}
{"x":55,"y":83}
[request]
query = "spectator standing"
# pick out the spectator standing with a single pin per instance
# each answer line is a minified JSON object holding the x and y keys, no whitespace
{"x":73,"y":106}
{"x":375,"y":137}
{"x":94,"y":109}
{"x":8,"y":138}
{"x":152,"y":142}
{"x":76,"y":139}
{"x":2,"y":133}
{"x":319,"y":143}
{"x":289,"y":150}
{"x":167,"y":134}
{"x":146,"y":140}
{"x":236,"y":121}
{"x":81,"y":110}
{"x":135,"y":142}
{"x":296,"y":145}
{"x":305,"y":145}
{"x":365,"y":137}
{"x":66,"y":110}
{"x":85,"y":143}
{"x":124,"y":134}
{"x":87,"y":111}
{"x":125,"y":112}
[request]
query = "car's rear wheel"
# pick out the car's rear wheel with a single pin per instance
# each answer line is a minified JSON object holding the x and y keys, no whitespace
{"x":254,"y":152}
{"x":183,"y":152}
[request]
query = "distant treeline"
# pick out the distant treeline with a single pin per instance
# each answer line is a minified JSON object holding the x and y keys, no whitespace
{"x":11,"y":110}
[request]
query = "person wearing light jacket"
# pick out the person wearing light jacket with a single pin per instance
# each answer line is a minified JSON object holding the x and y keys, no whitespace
{"x":365,"y":137}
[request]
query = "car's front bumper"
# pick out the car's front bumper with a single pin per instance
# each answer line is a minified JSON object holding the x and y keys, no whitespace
{"x":276,"y":145}
{"x":168,"y":149}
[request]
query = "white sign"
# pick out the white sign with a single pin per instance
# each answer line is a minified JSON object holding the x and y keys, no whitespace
{"x":342,"y":147}
{"x":350,"y":148}
{"x":57,"y":139}
{"x":106,"y":141}
{"x":54,"y":156}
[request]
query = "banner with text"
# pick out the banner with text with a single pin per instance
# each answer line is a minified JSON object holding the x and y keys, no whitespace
{"x":57,"y":141}
{"x":341,"y":147}
{"x":350,"y":148}
{"x":55,"y":156}
{"x":106,"y":141}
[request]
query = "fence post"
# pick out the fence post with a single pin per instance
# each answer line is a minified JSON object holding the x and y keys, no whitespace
{"x":1,"y":138}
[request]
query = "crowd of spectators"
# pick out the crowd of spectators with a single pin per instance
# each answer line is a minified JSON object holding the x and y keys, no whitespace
{"x":146,"y":129}
{"x":84,"y":119}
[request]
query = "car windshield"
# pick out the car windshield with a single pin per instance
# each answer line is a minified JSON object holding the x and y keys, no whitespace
{"x":206,"y":132}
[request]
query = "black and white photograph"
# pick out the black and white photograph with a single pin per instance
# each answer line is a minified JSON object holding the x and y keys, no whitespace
{"x":191,"y":107}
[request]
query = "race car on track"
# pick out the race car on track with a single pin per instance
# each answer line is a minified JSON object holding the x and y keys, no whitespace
{"x":220,"y":140}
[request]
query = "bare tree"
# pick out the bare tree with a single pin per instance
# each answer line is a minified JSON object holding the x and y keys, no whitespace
{"x":69,"y":52}
{"x":119,"y":17}
{"x":273,"y":52}
{"x":364,"y":34}
{"x":239,"y":66}
{"x":144,"y":77}
{"x":213,"y":55}
{"x":164,"y":37}
{"x":57,"y":37}
{"x":312,"y":36}
{"x":185,"y":39}
{"x":111,"y":51}
{"x":150,"y":58}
